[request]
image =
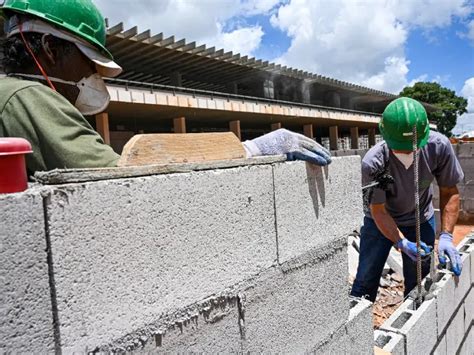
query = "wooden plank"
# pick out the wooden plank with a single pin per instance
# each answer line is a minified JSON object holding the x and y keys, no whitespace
{"x":102,"y":125}
{"x":68,"y":176}
{"x":146,"y":149}
{"x":179,"y":125}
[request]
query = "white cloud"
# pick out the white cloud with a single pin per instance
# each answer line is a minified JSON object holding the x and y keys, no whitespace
{"x":203,"y":21}
{"x":468,"y":92}
{"x":466,"y":122}
{"x":359,"y":41}
{"x":243,"y":40}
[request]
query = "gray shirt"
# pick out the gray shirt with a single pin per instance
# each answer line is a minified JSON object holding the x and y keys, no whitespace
{"x":437,"y":160}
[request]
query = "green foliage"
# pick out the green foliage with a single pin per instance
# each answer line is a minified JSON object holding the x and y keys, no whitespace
{"x":448,"y":105}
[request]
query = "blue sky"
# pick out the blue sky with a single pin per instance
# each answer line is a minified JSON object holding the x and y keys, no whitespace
{"x":382,"y":44}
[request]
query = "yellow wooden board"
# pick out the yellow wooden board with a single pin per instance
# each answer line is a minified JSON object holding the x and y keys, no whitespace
{"x":146,"y":149}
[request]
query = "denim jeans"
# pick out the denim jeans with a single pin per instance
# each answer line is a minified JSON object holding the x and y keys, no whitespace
{"x":374,"y":250}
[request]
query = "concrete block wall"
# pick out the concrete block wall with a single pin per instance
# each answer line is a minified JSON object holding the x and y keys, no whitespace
{"x":443,"y":321}
{"x":26,"y":315}
{"x":465,"y":154}
{"x":210,"y":261}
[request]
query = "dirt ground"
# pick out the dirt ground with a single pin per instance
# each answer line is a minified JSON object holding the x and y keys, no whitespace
{"x":390,"y":296}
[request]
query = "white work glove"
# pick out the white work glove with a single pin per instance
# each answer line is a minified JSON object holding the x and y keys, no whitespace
{"x":294,"y":145}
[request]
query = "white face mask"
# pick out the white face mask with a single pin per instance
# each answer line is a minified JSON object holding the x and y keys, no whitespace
{"x":405,"y":159}
{"x":93,"y":96}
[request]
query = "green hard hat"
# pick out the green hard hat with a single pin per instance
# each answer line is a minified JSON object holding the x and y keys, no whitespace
{"x":80,"y":17}
{"x":398,"y":120}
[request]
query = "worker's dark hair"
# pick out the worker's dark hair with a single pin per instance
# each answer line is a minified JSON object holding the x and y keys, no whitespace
{"x":16,"y":57}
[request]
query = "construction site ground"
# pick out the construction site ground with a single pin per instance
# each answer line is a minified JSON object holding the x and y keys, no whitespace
{"x":390,"y":294}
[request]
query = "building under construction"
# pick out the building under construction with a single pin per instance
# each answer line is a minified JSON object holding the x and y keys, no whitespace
{"x":241,"y":256}
{"x":171,"y":85}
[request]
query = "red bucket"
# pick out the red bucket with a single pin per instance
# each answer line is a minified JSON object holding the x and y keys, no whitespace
{"x":12,"y":164}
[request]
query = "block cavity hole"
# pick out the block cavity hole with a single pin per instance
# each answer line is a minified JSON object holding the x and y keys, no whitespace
{"x":382,"y":340}
{"x":401,"y":320}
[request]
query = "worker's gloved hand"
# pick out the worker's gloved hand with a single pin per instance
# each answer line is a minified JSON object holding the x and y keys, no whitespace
{"x":294,"y":145}
{"x":447,"y":248}
{"x":409,"y":248}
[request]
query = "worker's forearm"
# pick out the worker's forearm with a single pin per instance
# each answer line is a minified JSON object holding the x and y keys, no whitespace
{"x":449,"y":206}
{"x":386,"y":224}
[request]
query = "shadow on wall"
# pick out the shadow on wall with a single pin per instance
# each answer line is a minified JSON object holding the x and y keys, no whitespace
{"x":316,"y":185}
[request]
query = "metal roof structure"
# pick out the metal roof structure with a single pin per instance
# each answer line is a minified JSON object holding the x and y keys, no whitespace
{"x":153,"y":58}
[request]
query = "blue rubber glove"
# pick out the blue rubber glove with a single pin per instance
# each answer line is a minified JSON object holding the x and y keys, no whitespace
{"x":409,"y":248}
{"x":447,"y":248}
{"x":294,"y":145}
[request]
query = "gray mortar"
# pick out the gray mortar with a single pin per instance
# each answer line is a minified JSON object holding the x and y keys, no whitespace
{"x":209,"y":326}
{"x":315,"y":204}
{"x":26,"y":322}
{"x":296,"y":307}
{"x":127,"y":252}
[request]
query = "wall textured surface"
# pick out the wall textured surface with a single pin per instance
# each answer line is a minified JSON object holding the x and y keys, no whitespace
{"x":315,"y":205}
{"x":26,"y":323}
{"x":252,"y":258}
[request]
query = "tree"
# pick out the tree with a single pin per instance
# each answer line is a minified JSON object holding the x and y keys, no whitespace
{"x":448,"y":104}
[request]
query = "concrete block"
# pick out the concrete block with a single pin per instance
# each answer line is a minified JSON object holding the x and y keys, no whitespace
{"x":390,"y":342}
{"x":211,"y":326}
{"x":464,"y":150}
{"x":359,"y":328}
{"x":469,"y":309}
{"x":441,"y":348}
{"x":294,"y":307}
{"x":463,"y":282}
{"x":446,"y":303}
{"x":455,"y":333}
{"x":415,"y":325}
{"x":356,"y":336}
{"x":128,"y":251}
{"x":467,"y":347}
{"x":26,"y":316}
{"x":315,"y":204}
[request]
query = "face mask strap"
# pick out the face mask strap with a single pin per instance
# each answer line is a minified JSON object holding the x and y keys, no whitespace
{"x":34,"y":57}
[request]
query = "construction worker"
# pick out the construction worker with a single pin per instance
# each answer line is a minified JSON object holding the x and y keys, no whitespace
{"x":390,"y":219}
{"x":55,"y":58}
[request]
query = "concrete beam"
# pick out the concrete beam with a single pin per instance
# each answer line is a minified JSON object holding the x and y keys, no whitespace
{"x":102,"y":125}
{"x":234,"y":127}
{"x":275,"y":126}
{"x":354,"y":137}
{"x":179,"y":125}
{"x":371,"y":134}
{"x":333,"y":137}
{"x":308,"y":130}
{"x":176,"y":79}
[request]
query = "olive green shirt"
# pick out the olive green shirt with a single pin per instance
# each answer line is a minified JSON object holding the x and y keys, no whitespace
{"x":59,"y":134}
